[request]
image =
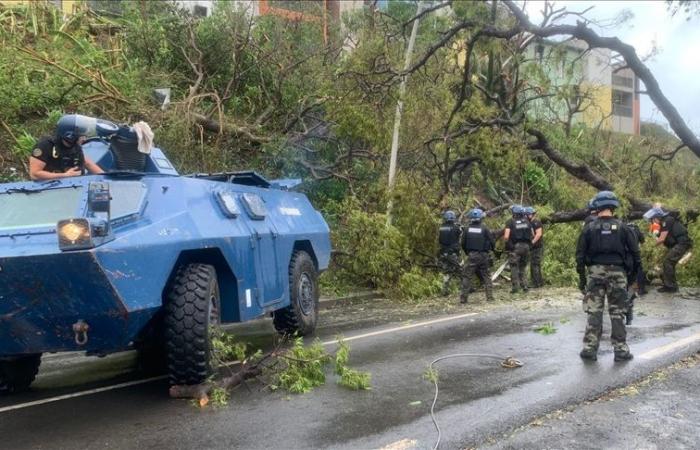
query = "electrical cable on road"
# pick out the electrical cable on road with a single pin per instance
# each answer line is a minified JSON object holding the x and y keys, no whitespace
{"x":507,"y":362}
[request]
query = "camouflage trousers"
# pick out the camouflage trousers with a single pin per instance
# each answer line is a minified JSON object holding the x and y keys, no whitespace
{"x":478,"y":263}
{"x":610,"y":282}
{"x":517,"y":259}
{"x":672,"y":257}
{"x":450,"y":265}
{"x":536,"y":255}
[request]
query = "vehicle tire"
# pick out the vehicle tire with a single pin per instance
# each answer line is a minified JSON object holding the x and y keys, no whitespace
{"x":191,"y":309}
{"x":301,"y":315}
{"x":17,"y":374}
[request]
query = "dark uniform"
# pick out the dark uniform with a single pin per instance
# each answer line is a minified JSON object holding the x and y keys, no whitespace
{"x":640,"y":277}
{"x":449,"y":253}
{"x":477,"y":242}
{"x":536,"y":255}
{"x":589,"y":218}
{"x":605,"y":247}
{"x":57,"y":156}
{"x":678,"y":243}
{"x":518,"y":246}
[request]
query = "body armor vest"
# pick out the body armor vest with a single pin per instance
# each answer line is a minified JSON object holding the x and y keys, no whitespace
{"x":475,"y":239}
{"x":521,"y":231}
{"x":449,"y":235}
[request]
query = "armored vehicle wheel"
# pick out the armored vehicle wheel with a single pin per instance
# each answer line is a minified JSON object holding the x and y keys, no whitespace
{"x":17,"y":374}
{"x":302,"y":313}
{"x":192,"y":308}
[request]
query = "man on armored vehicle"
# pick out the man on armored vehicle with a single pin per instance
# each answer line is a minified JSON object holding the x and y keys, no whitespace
{"x":61,"y":156}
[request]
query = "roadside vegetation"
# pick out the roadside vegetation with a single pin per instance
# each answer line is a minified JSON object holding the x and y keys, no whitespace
{"x":272,"y":96}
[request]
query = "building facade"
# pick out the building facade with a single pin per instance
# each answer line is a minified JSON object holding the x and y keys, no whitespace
{"x":588,"y":84}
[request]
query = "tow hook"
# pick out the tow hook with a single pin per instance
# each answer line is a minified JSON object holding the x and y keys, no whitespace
{"x":81,"y":328}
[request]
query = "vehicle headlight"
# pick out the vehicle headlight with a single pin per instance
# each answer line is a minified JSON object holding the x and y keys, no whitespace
{"x":82,"y":233}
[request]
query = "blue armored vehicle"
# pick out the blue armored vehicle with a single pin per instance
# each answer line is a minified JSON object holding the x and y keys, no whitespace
{"x":142,"y":257}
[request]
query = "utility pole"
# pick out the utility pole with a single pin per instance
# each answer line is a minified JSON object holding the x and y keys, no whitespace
{"x":397,"y":117}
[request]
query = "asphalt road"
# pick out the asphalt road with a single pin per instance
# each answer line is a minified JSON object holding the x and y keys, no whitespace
{"x":479,"y":400}
{"x":661,"y":412}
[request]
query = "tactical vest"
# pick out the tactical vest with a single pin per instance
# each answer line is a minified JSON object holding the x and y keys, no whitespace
{"x":520,"y":231}
{"x":607,"y":242}
{"x":475,"y":239}
{"x":449,"y":235}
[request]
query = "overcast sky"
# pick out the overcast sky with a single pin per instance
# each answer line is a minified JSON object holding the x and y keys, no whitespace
{"x":676,"y":67}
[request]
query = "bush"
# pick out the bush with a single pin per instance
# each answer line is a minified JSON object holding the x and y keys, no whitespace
{"x":417,"y":284}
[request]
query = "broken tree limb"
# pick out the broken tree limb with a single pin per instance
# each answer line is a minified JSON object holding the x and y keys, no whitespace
{"x":200,"y":392}
{"x":228,"y":127}
{"x":634,"y":62}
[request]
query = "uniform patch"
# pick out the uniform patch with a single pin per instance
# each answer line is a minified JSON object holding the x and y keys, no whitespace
{"x":475,"y":230}
{"x":37,"y":152}
{"x":614,"y":227}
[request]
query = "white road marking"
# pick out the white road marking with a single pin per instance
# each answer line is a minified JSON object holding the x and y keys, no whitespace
{"x":401,"y":328}
{"x":80,"y":394}
{"x":149,"y":380}
{"x":659,"y":351}
{"x":648,"y":355}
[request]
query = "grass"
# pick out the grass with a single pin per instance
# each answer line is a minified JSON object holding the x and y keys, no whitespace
{"x":546,"y":329}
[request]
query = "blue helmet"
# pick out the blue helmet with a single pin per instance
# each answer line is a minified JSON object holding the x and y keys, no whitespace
{"x":605,"y":200}
{"x":449,"y":216}
{"x":529,"y":210}
{"x":654,"y":213}
{"x":517,"y":209}
{"x":475,"y":214}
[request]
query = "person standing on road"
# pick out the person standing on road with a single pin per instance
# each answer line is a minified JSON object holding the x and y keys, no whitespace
{"x":449,"y":253}
{"x":537,"y":250}
{"x":605,"y":247}
{"x":675,"y":237}
{"x":477,"y":243}
{"x":518,"y":236}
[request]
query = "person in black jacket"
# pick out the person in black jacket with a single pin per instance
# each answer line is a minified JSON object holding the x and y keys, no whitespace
{"x":605,"y":248}
{"x":674,"y":236}
{"x":477,"y":243}
{"x":449,"y":258}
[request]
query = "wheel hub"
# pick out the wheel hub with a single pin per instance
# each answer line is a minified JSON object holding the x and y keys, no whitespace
{"x":305,"y":294}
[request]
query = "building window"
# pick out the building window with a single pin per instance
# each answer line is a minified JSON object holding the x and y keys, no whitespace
{"x":618,"y":80}
{"x":622,"y":103}
{"x":200,"y":11}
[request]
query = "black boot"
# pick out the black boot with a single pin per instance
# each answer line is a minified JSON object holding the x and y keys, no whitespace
{"x":591,"y":355}
{"x":623,"y":356}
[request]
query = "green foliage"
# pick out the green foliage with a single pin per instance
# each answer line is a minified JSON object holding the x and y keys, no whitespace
{"x":546,"y":329}
{"x":559,"y":264}
{"x":536,"y":181}
{"x":219,"y":397}
{"x":372,"y":252}
{"x":417,"y":284}
{"x":24,"y":145}
{"x":689,"y":273}
{"x":226,"y":348}
{"x":349,"y":378}
{"x":431,"y":374}
{"x":304,"y":367}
